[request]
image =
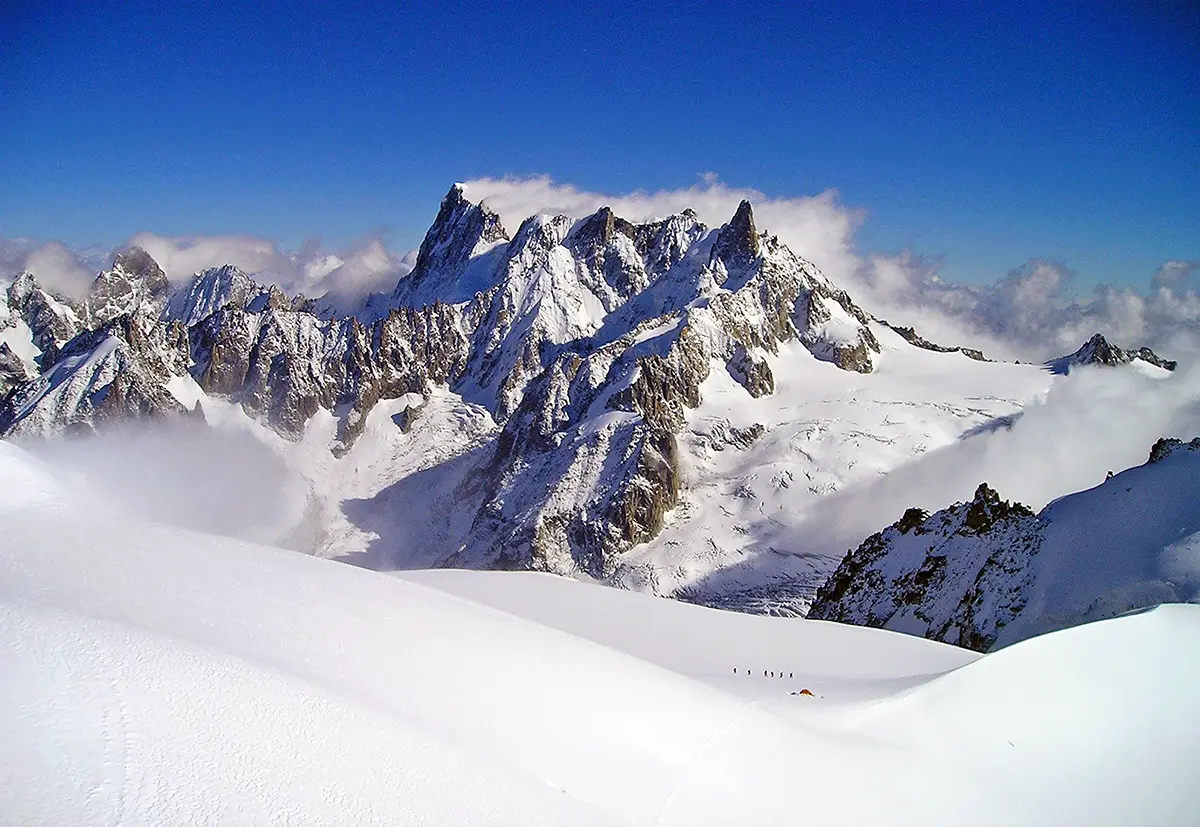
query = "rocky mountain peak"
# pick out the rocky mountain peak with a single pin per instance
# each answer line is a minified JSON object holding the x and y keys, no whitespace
{"x":21,"y":288}
{"x":460,"y":230}
{"x":738,"y":243}
{"x":987,"y":508}
{"x":209,"y":291}
{"x":12,"y":369}
{"x":586,"y":341}
{"x":596,"y":230}
{"x":53,"y":319}
{"x":987,"y":573}
{"x":134,"y":280}
{"x":1099,"y":351}
{"x":912,"y":575}
{"x":137,"y":262}
{"x":1165,"y":447}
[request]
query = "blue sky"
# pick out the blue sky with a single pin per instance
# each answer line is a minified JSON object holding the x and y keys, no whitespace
{"x":984,"y":135}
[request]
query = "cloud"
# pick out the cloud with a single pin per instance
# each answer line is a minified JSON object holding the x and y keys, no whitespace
{"x":365,"y":267}
{"x":1174,"y":275}
{"x":1090,"y":422}
{"x":187,"y":474}
{"x":182,"y":256}
{"x":1030,"y":313}
{"x":56,"y":266}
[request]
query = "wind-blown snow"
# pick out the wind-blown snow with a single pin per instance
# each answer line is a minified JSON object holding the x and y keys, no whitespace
{"x":151,"y":675}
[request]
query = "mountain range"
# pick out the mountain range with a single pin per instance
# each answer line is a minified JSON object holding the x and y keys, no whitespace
{"x":658,"y":406}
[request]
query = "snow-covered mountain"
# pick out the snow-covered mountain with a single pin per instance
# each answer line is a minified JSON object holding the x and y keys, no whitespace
{"x":659,"y":406}
{"x":151,"y":675}
{"x":1098,"y":351}
{"x":987,"y":573}
{"x":611,"y":325}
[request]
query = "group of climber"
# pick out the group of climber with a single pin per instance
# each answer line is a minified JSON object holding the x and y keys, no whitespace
{"x":766,"y":673}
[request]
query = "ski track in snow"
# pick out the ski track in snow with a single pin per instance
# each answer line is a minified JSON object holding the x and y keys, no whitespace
{"x":708,"y":742}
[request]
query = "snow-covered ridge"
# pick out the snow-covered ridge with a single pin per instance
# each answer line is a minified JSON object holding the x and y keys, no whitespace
{"x":236,"y":683}
{"x":987,"y":573}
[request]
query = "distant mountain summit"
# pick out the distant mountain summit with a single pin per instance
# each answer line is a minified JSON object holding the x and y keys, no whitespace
{"x":987,"y":573}
{"x":1098,"y":351}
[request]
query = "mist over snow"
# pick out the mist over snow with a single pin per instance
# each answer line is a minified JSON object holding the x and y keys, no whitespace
{"x":183,"y":473}
{"x":1093,"y":421}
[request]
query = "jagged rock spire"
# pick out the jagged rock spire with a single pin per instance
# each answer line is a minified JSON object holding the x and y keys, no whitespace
{"x":597,"y":228}
{"x":134,"y":280}
{"x":460,"y":227}
{"x":738,"y":242}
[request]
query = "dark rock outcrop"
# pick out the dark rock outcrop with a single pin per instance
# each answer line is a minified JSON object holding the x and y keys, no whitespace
{"x":52,"y":318}
{"x":12,"y":370}
{"x":937,"y":573}
{"x":913,"y":338}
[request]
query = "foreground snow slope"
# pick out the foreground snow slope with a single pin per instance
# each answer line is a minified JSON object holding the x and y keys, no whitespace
{"x":157,"y":676}
{"x":835,"y":660}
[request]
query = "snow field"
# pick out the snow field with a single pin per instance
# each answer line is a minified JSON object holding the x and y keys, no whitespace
{"x":152,"y":675}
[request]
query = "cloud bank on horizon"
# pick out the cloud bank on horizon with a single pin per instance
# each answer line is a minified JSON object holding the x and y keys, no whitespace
{"x":366,"y":266}
{"x":1030,"y":313}
{"x":1093,"y":421}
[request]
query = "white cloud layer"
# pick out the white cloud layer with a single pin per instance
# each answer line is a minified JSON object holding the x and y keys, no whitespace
{"x":184,"y":473}
{"x":57,"y":266}
{"x":1092,"y":421}
{"x":366,"y":266}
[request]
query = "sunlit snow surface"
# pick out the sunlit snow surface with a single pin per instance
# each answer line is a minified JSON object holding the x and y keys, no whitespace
{"x":152,"y":675}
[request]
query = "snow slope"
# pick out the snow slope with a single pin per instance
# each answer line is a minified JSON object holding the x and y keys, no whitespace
{"x":1133,"y":541}
{"x":151,"y":675}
